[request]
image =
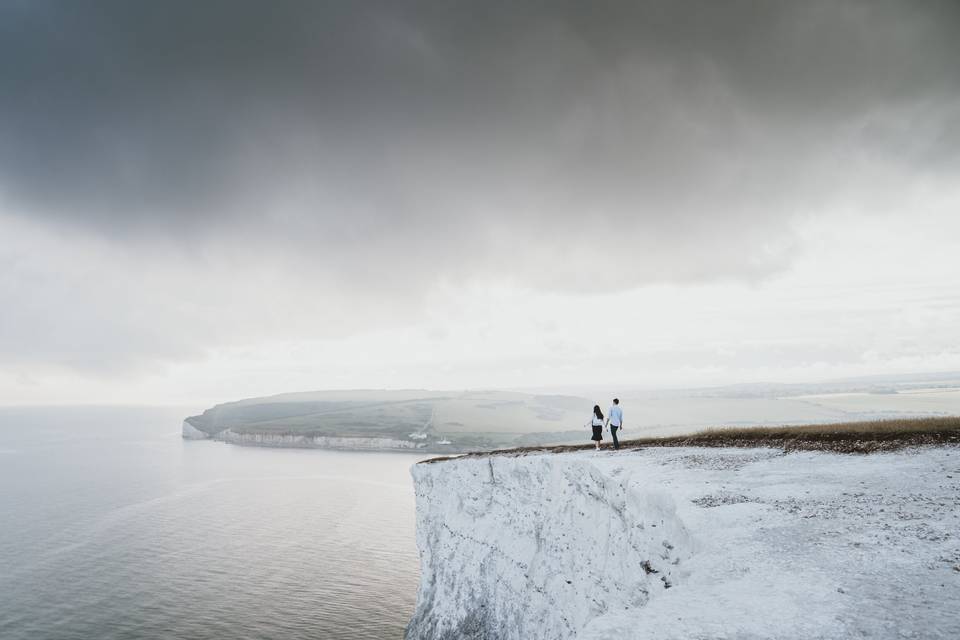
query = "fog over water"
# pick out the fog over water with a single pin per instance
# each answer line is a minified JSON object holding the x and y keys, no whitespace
{"x":113,"y":527}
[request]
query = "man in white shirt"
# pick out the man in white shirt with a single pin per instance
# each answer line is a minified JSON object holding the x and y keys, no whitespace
{"x":615,"y":421}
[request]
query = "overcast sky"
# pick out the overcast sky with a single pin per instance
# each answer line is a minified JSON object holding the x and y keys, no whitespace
{"x":201,"y":201}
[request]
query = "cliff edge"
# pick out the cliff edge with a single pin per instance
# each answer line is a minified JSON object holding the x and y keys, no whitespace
{"x":689,"y":543}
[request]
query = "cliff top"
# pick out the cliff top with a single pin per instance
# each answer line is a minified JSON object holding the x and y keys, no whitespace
{"x":846,"y":437}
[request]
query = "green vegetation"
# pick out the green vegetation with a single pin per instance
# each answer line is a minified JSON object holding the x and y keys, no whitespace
{"x":461,"y":421}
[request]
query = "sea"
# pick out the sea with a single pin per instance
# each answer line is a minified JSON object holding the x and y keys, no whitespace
{"x":112,"y":526}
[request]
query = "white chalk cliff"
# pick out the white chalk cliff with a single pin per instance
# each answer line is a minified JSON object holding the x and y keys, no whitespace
{"x":689,"y":543}
{"x":352,"y":443}
{"x":349,"y":443}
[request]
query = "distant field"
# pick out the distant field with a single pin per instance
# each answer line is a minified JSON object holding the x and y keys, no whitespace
{"x":473,"y":420}
{"x":509,"y":413}
{"x":926,"y":400}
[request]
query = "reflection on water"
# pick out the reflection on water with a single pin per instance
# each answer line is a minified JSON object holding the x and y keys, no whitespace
{"x":115,"y":528}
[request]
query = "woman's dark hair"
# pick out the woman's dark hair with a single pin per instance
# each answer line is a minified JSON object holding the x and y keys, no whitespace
{"x":597,"y":412}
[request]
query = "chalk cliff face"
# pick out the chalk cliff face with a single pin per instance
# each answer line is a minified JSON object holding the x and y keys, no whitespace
{"x":320,"y":442}
{"x":312,"y":442}
{"x":672,"y":544}
{"x":536,"y":547}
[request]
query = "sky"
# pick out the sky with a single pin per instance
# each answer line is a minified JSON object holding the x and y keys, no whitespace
{"x":206,"y":201}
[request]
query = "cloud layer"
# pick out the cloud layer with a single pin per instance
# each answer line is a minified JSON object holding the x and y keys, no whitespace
{"x":475,"y":133}
{"x":228,"y":171}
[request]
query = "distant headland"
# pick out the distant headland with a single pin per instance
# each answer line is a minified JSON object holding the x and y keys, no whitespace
{"x":405,"y":420}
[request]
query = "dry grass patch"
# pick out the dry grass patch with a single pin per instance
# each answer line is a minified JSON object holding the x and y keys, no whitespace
{"x":844,"y":437}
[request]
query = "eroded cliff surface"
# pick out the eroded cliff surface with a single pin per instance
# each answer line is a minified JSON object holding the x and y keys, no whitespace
{"x":686,"y":543}
{"x":536,"y":547}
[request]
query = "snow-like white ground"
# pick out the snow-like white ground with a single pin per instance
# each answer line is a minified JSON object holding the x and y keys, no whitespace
{"x":690,"y":543}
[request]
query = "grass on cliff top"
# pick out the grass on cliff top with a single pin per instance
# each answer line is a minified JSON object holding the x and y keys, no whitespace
{"x":844,"y":437}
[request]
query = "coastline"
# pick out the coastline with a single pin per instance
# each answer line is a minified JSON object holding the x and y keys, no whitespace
{"x":332,"y":443}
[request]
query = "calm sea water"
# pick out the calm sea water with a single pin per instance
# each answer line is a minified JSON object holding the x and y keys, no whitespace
{"x":111,"y":526}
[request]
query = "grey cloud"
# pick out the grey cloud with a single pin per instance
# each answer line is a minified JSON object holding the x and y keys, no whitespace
{"x":387,"y":144}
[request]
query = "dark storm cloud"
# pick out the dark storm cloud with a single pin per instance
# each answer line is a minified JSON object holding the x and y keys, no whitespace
{"x":388,"y":141}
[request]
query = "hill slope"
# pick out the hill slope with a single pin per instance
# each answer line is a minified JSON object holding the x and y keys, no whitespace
{"x":434,"y":421}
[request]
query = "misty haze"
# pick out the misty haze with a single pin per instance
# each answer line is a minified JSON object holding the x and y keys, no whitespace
{"x":482,"y":320}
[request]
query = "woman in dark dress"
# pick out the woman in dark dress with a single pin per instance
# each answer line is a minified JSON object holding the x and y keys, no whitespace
{"x":597,"y":424}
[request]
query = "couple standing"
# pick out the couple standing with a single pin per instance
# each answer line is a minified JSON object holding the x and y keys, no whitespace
{"x":614,"y":420}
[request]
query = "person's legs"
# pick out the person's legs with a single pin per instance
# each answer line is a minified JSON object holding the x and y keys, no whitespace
{"x":613,"y":433}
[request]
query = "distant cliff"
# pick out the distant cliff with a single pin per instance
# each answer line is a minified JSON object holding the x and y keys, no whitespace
{"x":349,"y":443}
{"x":681,"y":543}
{"x":439,"y":422}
